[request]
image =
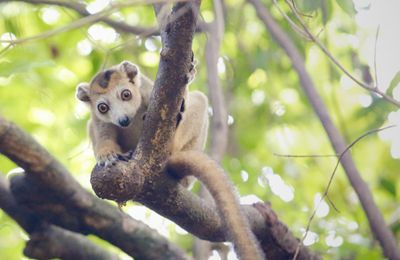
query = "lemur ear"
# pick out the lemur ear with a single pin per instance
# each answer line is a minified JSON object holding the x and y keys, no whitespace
{"x":82,"y":92}
{"x":130,"y":69}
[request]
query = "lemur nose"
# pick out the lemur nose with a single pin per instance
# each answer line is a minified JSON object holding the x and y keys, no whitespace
{"x":124,"y":121}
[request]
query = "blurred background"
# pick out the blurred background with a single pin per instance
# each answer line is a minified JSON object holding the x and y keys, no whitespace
{"x":269,"y":115}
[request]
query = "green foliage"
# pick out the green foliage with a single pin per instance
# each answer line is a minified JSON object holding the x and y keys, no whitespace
{"x":270,"y":112}
{"x":395,"y":82}
{"x":347,"y":6}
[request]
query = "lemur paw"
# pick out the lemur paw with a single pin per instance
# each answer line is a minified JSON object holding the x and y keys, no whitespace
{"x":107,"y":159}
{"x":192,"y":71}
{"x":112,"y":158}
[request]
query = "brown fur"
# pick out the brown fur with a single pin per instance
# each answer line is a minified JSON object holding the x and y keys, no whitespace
{"x":217,"y":182}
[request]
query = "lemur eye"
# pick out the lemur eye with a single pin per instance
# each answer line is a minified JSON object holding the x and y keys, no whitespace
{"x":126,"y":95}
{"x":103,"y":108}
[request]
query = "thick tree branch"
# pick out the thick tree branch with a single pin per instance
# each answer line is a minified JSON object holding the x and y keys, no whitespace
{"x":61,"y":200}
{"x":48,"y":241}
{"x":374,"y":216}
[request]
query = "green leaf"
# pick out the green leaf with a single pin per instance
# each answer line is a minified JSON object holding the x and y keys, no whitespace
{"x":396,"y":227}
{"x":388,"y":185}
{"x":347,"y":6}
{"x":311,"y":5}
{"x":395,"y":81}
{"x":326,"y":10}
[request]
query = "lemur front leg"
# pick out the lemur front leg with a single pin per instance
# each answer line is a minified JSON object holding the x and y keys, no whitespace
{"x":106,"y":149}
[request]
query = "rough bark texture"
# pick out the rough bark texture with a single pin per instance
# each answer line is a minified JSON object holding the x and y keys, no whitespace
{"x":376,"y":221}
{"x":48,"y":241}
{"x":51,"y":192}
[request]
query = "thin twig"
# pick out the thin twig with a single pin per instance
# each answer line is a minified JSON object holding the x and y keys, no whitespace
{"x":310,"y":35}
{"x":332,"y":204}
{"x":325,"y":194}
{"x":294,"y":26}
{"x":83,"y":21}
{"x":375,"y":59}
{"x":305,"y":155}
{"x":80,"y":8}
{"x":297,"y":10}
{"x":5,"y":49}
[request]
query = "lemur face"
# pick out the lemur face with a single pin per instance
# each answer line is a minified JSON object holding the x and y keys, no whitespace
{"x":113,"y":94}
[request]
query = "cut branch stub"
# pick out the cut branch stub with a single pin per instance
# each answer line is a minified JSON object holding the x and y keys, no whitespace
{"x":120,"y":182}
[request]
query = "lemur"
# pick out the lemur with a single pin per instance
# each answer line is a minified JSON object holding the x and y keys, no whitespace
{"x":118,"y":98}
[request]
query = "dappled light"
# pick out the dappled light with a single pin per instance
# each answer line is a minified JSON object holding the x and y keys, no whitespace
{"x":103,"y":34}
{"x":97,"y":6}
{"x":50,"y":15}
{"x":320,"y":206}
{"x":84,"y":47}
{"x":276,"y":184}
{"x":332,"y":240}
{"x":310,"y":238}
{"x":8,"y":36}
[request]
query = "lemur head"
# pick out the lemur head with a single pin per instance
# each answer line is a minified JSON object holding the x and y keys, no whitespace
{"x":113,"y":94}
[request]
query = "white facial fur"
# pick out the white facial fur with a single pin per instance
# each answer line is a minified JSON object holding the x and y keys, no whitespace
{"x":118,"y":108}
{"x":108,"y":90}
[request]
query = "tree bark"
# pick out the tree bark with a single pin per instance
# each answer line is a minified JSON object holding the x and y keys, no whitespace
{"x":50,"y":191}
{"x":48,"y":241}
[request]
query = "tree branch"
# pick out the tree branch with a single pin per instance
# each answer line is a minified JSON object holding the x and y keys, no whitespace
{"x":374,"y":216}
{"x":92,"y":18}
{"x":62,"y":201}
{"x":80,"y":8}
{"x":47,"y":241}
